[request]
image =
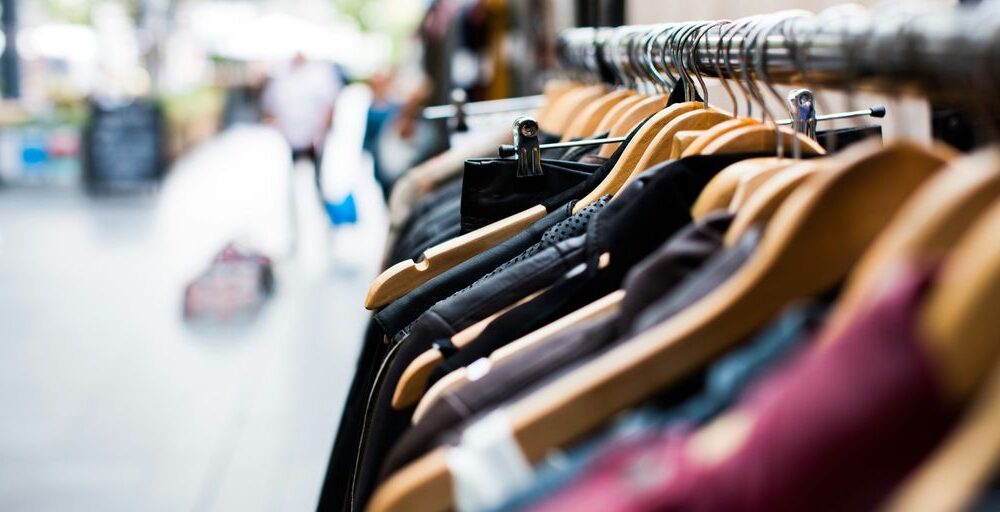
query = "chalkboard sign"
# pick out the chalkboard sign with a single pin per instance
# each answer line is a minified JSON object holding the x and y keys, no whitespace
{"x":123,"y":146}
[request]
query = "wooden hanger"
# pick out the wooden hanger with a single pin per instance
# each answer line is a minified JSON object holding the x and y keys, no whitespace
{"x":617,"y":112}
{"x":963,"y":465}
{"x":554,"y":89}
{"x":682,"y":140}
{"x":719,"y":191}
{"x":760,"y":212}
{"x":564,"y":109}
{"x":707,"y":136}
{"x":459,"y":377}
{"x":797,"y":257}
{"x":759,"y":138}
{"x":926,"y":229}
{"x":585,"y":123}
{"x":455,"y":379}
{"x":631,"y":118}
{"x":405,"y":276}
{"x":659,"y":149}
{"x":762,"y":205}
{"x":413,"y":383}
{"x":625,"y":167}
{"x":547,"y":110}
{"x":959,"y":318}
{"x":751,"y":181}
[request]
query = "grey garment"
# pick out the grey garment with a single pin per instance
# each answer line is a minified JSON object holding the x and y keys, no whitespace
{"x":577,"y":346}
{"x":715,"y":272}
{"x":670,"y":264}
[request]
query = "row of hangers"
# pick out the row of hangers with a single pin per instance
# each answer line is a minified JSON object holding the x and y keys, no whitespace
{"x":856,"y":215}
{"x":580,"y":111}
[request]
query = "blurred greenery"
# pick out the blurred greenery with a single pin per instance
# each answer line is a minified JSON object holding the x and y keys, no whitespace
{"x":355,"y":10}
{"x":395,"y":18}
{"x":184,"y":107}
{"x":78,"y":11}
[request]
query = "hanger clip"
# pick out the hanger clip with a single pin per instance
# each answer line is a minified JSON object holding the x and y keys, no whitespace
{"x":527,"y":148}
{"x":802,"y":105}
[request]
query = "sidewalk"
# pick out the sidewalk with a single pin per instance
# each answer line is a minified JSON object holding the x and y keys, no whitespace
{"x":109,"y":402}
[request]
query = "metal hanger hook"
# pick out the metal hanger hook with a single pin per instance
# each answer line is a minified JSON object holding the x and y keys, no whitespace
{"x":658,"y":80}
{"x":725,"y":54}
{"x":718,"y":71}
{"x":671,"y":53}
{"x":678,"y":57}
{"x":761,"y":42}
{"x":667,"y":78}
{"x":689,"y":51}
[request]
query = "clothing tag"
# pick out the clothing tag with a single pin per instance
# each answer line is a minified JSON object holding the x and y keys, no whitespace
{"x":487,"y":466}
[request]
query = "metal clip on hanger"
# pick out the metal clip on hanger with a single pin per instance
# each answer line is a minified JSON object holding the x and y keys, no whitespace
{"x":529,"y":156}
{"x":526,"y":143}
{"x":528,"y":150}
{"x":802,"y":106}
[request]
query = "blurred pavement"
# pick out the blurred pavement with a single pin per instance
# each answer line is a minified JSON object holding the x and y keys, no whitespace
{"x":109,"y":402}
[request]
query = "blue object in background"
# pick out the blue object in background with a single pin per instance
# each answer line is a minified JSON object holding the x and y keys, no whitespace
{"x":344,"y":212}
{"x":33,"y":153}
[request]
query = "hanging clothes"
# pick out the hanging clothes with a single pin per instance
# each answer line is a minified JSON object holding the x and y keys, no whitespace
{"x":616,"y":345}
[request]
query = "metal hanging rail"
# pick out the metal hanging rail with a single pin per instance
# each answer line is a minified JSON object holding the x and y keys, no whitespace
{"x":940,"y":51}
{"x":945,"y":52}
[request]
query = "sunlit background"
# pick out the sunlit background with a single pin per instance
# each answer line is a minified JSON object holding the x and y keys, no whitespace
{"x":134,"y":148}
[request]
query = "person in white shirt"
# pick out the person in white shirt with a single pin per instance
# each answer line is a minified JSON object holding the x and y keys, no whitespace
{"x":299,"y":102}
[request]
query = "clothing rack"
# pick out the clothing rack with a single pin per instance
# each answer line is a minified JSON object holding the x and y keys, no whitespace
{"x":893,"y":50}
{"x":927,"y":50}
{"x":554,"y":366}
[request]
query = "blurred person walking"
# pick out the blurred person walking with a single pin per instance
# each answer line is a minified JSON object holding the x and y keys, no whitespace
{"x":299,"y":102}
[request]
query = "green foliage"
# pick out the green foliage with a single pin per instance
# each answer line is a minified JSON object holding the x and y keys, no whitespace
{"x":384,"y":17}
{"x":78,"y":11}
{"x":69,"y":11}
{"x":355,"y":10}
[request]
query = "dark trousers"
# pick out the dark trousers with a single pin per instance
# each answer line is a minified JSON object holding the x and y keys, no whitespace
{"x":312,"y":154}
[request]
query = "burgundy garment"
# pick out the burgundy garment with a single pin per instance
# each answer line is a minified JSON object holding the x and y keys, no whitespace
{"x":835,"y":429}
